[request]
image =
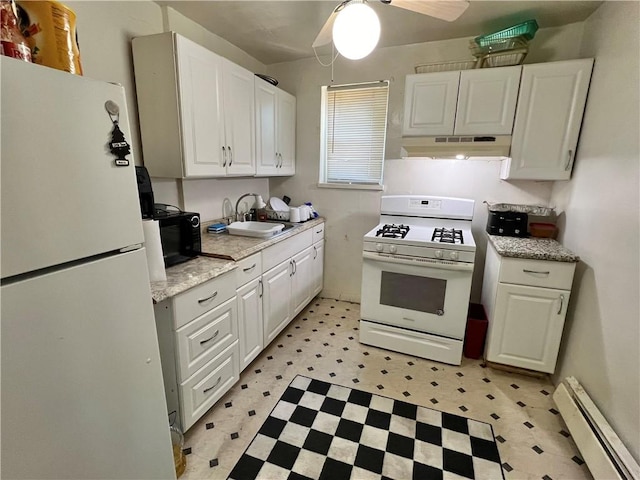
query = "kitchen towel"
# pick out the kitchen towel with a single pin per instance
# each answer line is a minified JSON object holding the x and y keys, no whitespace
{"x":153,"y":246}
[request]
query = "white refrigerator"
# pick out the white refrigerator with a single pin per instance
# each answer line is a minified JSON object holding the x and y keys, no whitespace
{"x":81,"y":383}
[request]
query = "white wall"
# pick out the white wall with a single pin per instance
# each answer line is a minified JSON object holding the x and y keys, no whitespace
{"x":350,"y":214}
{"x":105,"y":30}
{"x":601,"y":209}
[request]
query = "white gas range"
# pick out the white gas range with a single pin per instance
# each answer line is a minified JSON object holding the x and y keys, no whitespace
{"x":416,"y":276}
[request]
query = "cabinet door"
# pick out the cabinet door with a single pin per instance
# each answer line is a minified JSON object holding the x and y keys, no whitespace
{"x":286,"y":131}
{"x":548,"y":119}
{"x":266,"y":102}
{"x":301,"y":281}
{"x":430,"y":103}
{"x":317,"y":271}
{"x":200,"y":87}
{"x":487,"y":101}
{"x":239,"y":117}
{"x":527,"y":326}
{"x":249,"y":299}
{"x":276,"y":300}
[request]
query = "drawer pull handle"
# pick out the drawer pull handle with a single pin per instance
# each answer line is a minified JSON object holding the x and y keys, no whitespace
{"x":561,"y":303}
{"x":319,"y":231}
{"x":408,"y":319}
{"x":204,"y":300}
{"x":535,"y":271}
{"x":210,"y":338}
{"x":213,"y":386}
{"x":248,"y":269}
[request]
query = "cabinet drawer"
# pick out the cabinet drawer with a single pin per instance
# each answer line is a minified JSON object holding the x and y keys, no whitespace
{"x":203,"y":298}
{"x":248,"y":269}
{"x":318,"y":233}
{"x":286,"y":249}
{"x":537,"y":273}
{"x":208,"y":385}
{"x":205,"y":337}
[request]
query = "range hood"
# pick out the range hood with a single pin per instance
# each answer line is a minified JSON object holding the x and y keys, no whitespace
{"x":461,"y":146}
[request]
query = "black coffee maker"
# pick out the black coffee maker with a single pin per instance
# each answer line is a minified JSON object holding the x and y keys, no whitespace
{"x":145,"y":193}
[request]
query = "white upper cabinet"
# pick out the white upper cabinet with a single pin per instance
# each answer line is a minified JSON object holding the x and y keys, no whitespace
{"x":275,"y":130}
{"x":468,"y":102}
{"x":548,"y":119}
{"x":487,"y":101}
{"x":196,"y":109}
{"x":430,"y":103}
{"x":239,"y":119}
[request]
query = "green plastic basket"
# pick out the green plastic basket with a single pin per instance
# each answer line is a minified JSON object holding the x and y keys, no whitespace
{"x":526,"y":29}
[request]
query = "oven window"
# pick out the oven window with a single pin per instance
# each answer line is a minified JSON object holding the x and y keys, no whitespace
{"x":422,"y":294}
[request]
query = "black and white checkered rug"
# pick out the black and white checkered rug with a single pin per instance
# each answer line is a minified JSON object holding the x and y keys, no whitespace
{"x":318,"y":430}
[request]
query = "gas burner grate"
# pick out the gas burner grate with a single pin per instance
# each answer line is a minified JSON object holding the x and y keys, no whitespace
{"x":393,"y":231}
{"x":447,"y":235}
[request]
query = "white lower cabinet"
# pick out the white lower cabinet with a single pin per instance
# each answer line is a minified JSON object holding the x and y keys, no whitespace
{"x":199,"y":348}
{"x":526,"y":302}
{"x":301,"y":280}
{"x":277,"y":300}
{"x":250,"y":321}
{"x":317,"y":269}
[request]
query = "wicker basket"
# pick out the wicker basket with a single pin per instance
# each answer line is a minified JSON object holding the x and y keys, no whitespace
{"x":445,"y":66}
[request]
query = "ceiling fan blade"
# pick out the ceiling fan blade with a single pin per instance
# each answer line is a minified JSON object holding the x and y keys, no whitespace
{"x":326,"y":34}
{"x":448,"y":10}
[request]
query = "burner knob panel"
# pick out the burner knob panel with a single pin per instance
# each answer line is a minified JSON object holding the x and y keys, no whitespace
{"x":379,"y":247}
{"x":393,"y":248}
{"x":453,"y":255}
{"x":438,"y":253}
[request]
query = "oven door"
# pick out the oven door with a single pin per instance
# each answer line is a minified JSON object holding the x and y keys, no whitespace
{"x":419,"y":294}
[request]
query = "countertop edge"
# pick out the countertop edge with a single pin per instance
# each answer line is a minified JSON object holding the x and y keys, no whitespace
{"x":532,"y":248}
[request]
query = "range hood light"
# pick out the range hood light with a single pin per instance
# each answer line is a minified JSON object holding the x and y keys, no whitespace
{"x":461,"y":157}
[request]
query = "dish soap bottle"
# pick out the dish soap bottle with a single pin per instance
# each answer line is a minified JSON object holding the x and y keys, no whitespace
{"x":12,"y":42}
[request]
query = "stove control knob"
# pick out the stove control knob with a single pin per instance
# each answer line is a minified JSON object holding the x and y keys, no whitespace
{"x":438,"y":253}
{"x":379,"y":247}
{"x":453,"y":255}
{"x":393,"y":248}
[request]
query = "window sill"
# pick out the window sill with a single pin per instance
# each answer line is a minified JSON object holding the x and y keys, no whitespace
{"x":351,"y":186}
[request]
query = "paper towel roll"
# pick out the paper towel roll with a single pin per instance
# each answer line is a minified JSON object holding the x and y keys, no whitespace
{"x":153,"y":246}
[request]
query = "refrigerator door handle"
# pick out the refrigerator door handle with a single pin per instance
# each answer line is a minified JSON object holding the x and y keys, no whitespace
{"x":211,"y":297}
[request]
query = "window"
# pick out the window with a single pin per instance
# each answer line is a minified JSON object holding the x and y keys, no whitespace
{"x":353,"y":131}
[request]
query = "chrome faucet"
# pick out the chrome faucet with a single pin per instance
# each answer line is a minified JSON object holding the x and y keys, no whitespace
{"x":260,"y":204}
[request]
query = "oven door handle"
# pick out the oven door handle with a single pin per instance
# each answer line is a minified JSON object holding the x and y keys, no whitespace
{"x":461,"y":267}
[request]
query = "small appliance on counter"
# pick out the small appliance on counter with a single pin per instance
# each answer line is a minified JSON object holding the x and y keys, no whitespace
{"x":145,"y":193}
{"x":512,"y":220}
{"x":511,"y":224}
{"x":179,"y":233}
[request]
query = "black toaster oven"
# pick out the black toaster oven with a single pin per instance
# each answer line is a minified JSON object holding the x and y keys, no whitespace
{"x":511,"y":224}
{"x":179,"y":235}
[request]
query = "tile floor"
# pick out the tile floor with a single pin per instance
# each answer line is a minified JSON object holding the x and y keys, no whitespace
{"x":322,"y":342}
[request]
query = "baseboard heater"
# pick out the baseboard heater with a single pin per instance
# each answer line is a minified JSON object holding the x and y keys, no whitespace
{"x":602,"y":450}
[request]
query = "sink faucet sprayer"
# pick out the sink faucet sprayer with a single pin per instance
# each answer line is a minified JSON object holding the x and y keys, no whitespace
{"x":259,"y":204}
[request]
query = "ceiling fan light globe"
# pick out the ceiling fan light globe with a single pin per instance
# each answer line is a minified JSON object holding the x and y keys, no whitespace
{"x":356,"y":31}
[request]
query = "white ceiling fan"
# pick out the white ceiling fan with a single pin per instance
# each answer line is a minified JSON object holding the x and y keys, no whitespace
{"x":354,"y":27}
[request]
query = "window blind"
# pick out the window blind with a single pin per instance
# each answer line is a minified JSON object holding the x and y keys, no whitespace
{"x":356,"y":121}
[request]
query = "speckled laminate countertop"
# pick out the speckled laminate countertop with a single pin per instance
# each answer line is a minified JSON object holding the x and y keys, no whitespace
{"x":185,"y":275}
{"x":235,"y":247}
{"x":532,"y":248}
{"x":219,"y":254}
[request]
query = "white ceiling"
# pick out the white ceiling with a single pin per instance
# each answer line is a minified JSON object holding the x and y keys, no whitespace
{"x":282,"y":31}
